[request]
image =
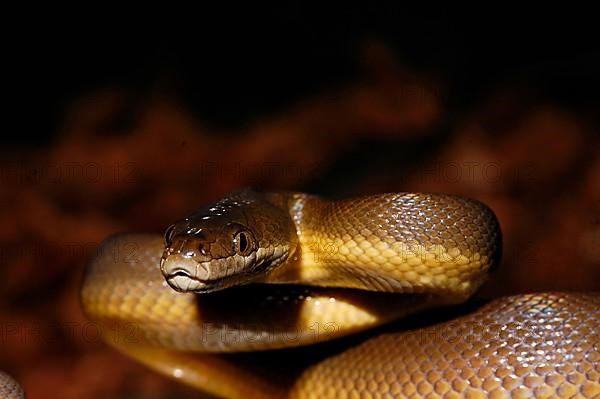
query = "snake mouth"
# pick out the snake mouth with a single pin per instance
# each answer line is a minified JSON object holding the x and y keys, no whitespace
{"x":182,"y":281}
{"x":181,"y":273}
{"x":185,"y":274}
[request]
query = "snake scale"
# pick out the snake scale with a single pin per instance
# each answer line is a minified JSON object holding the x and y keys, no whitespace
{"x":230,"y":298}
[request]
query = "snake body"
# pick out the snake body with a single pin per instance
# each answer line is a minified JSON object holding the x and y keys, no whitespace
{"x":403,"y":242}
{"x":9,"y":388}
{"x":285,"y":270}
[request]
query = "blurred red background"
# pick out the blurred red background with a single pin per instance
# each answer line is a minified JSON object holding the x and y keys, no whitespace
{"x":130,"y":130}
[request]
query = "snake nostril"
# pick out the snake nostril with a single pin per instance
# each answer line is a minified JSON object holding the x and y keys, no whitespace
{"x":202,"y":249}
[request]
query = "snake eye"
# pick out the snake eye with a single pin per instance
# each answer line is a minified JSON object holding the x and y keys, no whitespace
{"x":169,"y":234}
{"x":243,"y":243}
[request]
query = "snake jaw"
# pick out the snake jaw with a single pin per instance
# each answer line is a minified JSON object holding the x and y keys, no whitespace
{"x":186,"y":274}
{"x":182,"y":282}
{"x":182,"y":272}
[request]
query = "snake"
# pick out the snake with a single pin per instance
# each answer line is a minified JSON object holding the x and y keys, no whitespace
{"x":290,"y":295}
{"x":9,"y":387}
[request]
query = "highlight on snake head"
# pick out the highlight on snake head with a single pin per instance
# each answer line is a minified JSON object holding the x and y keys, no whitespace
{"x":214,"y":248}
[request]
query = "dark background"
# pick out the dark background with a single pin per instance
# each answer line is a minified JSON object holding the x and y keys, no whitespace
{"x":126,"y":122}
{"x":229,"y":68}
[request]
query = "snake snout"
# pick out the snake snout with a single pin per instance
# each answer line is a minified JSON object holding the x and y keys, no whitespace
{"x":184,"y":274}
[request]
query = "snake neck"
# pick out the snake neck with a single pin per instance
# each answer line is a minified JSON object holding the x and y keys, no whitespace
{"x":406,"y":242}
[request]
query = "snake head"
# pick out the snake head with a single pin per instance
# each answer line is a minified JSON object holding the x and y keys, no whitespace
{"x":229,"y":243}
